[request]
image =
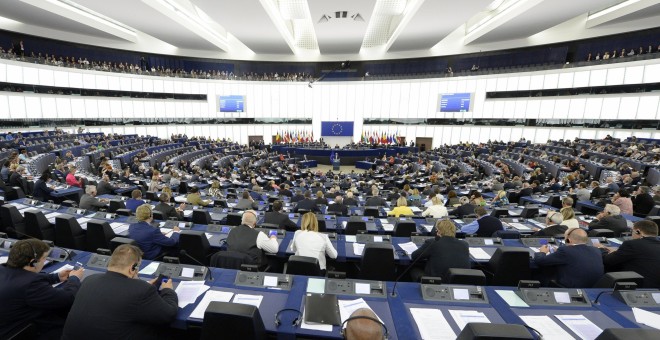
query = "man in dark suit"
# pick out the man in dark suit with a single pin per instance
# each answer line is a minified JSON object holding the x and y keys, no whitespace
{"x":286,"y":191}
{"x":350,"y":200}
{"x":27,"y":295}
{"x":610,"y":218}
{"x":149,"y":238}
{"x":277,"y":217}
{"x":443,"y":252}
{"x":307,"y":204}
{"x":484,"y":226}
{"x":577,"y":264}
{"x":640,"y":255}
{"x":597,"y":191}
{"x":128,"y":308}
{"x":246,"y":202}
{"x":554,"y":221}
{"x":338,"y":207}
{"x":168,"y":210}
{"x":466,"y":208}
{"x":16,"y":179}
{"x":375,"y":200}
{"x":643,"y":201}
{"x":297,"y":197}
{"x":41,"y":190}
{"x":103,"y":187}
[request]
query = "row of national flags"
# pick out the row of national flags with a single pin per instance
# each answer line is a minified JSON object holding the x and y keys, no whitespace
{"x":379,"y":137}
{"x":293,"y":136}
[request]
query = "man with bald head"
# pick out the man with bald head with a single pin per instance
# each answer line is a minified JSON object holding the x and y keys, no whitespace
{"x":577,"y":264}
{"x":362,"y":327}
{"x":247,"y":240}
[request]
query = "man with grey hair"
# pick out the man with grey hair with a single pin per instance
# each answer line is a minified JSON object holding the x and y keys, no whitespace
{"x":16,"y":179}
{"x":643,"y":201}
{"x":610,"y":218}
{"x":375,"y":200}
{"x":88,"y":201}
{"x":577,"y":264}
{"x":553,"y":220}
{"x":247,"y":240}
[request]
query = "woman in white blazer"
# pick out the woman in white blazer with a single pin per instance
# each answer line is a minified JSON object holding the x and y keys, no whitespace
{"x":309,"y":242}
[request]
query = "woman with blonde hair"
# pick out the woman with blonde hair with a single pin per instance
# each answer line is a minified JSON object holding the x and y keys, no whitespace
{"x":401,"y":208}
{"x":167,"y":190}
{"x":569,"y":218}
{"x":309,"y":242}
{"x":500,"y":199}
{"x":215,"y":190}
{"x":437,"y":210}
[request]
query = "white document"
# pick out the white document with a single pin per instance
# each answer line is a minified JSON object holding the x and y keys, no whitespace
{"x":351,"y":238}
{"x":614,"y":240}
{"x":150,"y":269}
{"x":459,"y":221}
{"x":189,"y":291}
{"x":511,"y":298}
{"x":182,"y":225}
{"x":51,"y":217}
{"x":463,"y":317}
{"x":270,"y":281}
{"x":344,"y":223}
{"x":427,"y":227}
{"x":3,"y":259}
{"x":63,"y":268}
{"x":378,"y":239}
{"x":83,"y":222}
{"x":208,"y":235}
{"x":581,"y":326}
{"x":519,"y":226}
{"x":362,"y":288}
{"x":210,"y":296}
{"x":254,"y":300}
{"x":415,"y":209}
{"x":408,"y":247}
{"x":347,"y":307}
{"x":431,"y":324}
{"x":388,"y":226}
{"x":646,"y":317}
{"x":358,"y":248}
{"x":479,"y":254}
{"x":384,"y":220}
{"x":187,"y":213}
{"x":548,"y":328}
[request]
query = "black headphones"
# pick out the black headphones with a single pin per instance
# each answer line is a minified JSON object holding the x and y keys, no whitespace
{"x":566,"y":240}
{"x":386,"y":333}
{"x":134,"y":267}
{"x":296,"y":322}
{"x":33,"y":262}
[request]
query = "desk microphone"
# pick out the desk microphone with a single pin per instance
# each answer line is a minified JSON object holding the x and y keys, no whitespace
{"x":407,"y":269}
{"x":185,"y":253}
{"x":69,"y":254}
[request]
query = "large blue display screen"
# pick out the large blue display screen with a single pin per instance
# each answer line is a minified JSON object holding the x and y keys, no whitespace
{"x":455,"y":102}
{"x":232,"y":103}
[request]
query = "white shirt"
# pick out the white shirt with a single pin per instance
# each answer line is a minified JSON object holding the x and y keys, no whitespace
{"x":313,"y":244}
{"x":267,"y":244}
{"x":436,"y":211}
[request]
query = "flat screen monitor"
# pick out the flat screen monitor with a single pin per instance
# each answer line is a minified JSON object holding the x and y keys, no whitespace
{"x":232,"y":103}
{"x":455,"y":102}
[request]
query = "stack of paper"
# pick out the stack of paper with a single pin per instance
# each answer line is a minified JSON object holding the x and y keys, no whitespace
{"x":254,"y":300}
{"x":210,"y":296}
{"x":580,"y":325}
{"x":479,"y":254}
{"x":189,"y":291}
{"x":358,"y":248}
{"x":415,"y":209}
{"x":463,"y":317}
{"x":548,"y":328}
{"x":432,"y":324}
{"x":408,"y":247}
{"x":388,"y":226}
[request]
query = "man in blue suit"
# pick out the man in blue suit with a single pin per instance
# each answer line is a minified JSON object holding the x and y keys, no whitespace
{"x":149,"y":238}
{"x":577,"y":264}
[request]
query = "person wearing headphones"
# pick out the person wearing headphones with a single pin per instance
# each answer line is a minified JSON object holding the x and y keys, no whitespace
{"x":577,"y":264}
{"x":555,"y":225}
{"x":640,"y":255}
{"x":443,"y":252}
{"x":363,"y":324}
{"x":149,"y":238}
{"x":118,"y":305}
{"x":278,"y":217}
{"x":247,"y":240}
{"x":610,"y":218}
{"x":27,"y":295}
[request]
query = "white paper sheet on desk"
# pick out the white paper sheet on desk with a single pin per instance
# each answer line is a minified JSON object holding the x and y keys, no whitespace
{"x":384,"y":220}
{"x":187,"y":213}
{"x":246,"y":299}
{"x":358,"y":248}
{"x":646,"y":317}
{"x":3,"y":259}
{"x":432,"y":324}
{"x":514,"y":212}
{"x":189,"y":291}
{"x":580,"y":325}
{"x":150,"y":269}
{"x":463,"y":317}
{"x":347,"y":307}
{"x":83,"y":222}
{"x":548,"y":328}
{"x":166,"y":231}
{"x":459,"y":221}
{"x":415,"y":209}
{"x":388,"y":226}
{"x":479,"y":254}
{"x":408,"y":247}
{"x":427,"y":227}
{"x":119,"y":228}
{"x":180,"y":199}
{"x":63,"y":268}
{"x":208,"y":235}
{"x":351,"y":238}
{"x":344,"y":223}
{"x":511,"y":298}
{"x":210,"y":296}
{"x":519,"y":226}
{"x":315,"y":326}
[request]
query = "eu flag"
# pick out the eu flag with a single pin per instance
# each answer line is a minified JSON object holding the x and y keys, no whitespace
{"x":337,"y":129}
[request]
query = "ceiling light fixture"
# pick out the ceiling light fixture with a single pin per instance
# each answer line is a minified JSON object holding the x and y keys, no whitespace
{"x":611,"y":9}
{"x":82,"y":10}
